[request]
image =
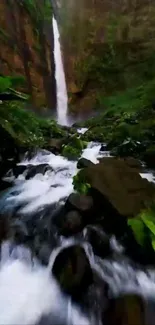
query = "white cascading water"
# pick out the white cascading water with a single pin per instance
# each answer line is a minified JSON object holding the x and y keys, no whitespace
{"x":28,"y":291}
{"x":62,"y":99}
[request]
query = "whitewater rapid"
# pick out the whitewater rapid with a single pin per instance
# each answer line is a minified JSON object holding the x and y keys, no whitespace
{"x":29,"y":294}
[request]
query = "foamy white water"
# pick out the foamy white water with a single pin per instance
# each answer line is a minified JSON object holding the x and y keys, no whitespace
{"x":43,"y":190}
{"x":29,"y":292}
{"x":62,"y":99}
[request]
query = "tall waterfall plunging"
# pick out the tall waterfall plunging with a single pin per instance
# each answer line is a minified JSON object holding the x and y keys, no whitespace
{"x":60,"y":78}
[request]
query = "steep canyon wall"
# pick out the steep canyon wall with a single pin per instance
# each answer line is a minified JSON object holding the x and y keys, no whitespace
{"x":108,"y":46}
{"x":26,"y":42}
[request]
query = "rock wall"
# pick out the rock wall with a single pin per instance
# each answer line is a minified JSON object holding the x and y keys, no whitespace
{"x":108,"y":46}
{"x":27,"y":50}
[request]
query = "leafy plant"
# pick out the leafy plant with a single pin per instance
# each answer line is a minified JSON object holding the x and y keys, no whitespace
{"x":80,"y":184}
{"x":5,"y":84}
{"x":143,"y":227}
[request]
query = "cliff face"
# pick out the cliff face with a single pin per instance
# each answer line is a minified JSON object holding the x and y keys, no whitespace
{"x":108,"y":46}
{"x":26,"y":42}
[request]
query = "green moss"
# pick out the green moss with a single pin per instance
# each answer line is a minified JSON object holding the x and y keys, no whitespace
{"x":70,"y":152}
{"x":74,"y":148}
{"x":80,"y":184}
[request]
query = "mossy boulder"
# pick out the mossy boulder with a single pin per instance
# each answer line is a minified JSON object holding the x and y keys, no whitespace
{"x":118,"y":192}
{"x":74,"y":148}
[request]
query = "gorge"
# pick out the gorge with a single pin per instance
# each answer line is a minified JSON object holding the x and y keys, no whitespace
{"x":77,"y":214}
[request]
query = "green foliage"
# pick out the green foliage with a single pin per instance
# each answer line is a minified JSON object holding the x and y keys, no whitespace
{"x":41,"y":11}
{"x":5,"y":84}
{"x":138,"y":228}
{"x":80,"y":184}
{"x":130,"y":100}
{"x":25,"y":127}
{"x":70,"y":152}
{"x":143,"y":227}
{"x":8,"y":82}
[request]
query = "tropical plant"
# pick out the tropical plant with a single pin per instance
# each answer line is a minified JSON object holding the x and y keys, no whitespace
{"x":143,"y":227}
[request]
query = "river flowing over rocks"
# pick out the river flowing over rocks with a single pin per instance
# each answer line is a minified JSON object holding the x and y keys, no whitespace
{"x":58,"y":266}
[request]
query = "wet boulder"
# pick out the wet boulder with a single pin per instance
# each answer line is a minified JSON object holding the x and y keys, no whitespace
{"x":39,"y":169}
{"x":125,"y":310}
{"x":82,"y":203}
{"x":72,"y":270}
{"x":118,"y":192}
{"x":55,"y":145}
{"x":71,"y":223}
{"x":19,"y":169}
{"x":67,"y":223}
{"x":84,"y":163}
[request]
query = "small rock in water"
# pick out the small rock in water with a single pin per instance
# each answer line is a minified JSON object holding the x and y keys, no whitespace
{"x":104,"y":147}
{"x":126,"y":310}
{"x":44,"y":253}
{"x":55,"y":145}
{"x":84,"y":163}
{"x":82,"y":203}
{"x":39,"y":169}
{"x":20,"y":232}
{"x":19,"y":169}
{"x":72,"y":270}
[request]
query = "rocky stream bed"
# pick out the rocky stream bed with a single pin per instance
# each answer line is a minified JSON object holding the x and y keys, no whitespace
{"x":67,"y":256}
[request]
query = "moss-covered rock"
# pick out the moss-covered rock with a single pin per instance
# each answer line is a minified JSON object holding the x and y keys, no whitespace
{"x":74,"y":148}
{"x":118,"y":191}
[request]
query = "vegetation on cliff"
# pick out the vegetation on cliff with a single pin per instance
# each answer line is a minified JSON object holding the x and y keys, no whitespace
{"x":26,"y":39}
{"x":113,"y":53}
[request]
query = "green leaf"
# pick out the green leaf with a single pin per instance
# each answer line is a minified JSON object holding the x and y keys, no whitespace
{"x":153,"y":242}
{"x":138,"y":228}
{"x":149,"y":221}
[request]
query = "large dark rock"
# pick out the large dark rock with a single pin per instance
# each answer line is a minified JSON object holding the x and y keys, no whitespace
{"x":72,"y":270}
{"x":39,"y":169}
{"x":84,"y":163}
{"x":125,"y":310}
{"x":82,"y":203}
{"x":118,"y":191}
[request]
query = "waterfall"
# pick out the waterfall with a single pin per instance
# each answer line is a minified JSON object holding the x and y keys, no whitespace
{"x":60,"y":78}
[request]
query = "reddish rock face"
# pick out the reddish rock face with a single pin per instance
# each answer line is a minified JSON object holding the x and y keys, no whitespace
{"x":27,"y":50}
